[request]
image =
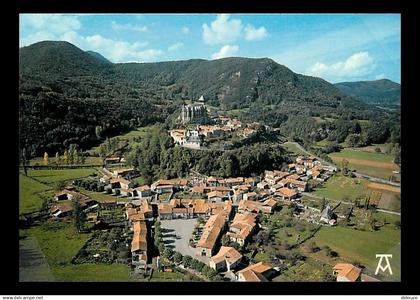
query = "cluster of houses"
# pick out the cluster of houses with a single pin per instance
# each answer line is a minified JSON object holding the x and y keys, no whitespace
{"x":229,"y":206}
{"x":193,"y":138}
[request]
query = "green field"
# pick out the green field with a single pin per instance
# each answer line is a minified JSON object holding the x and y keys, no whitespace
{"x":292,"y":148}
{"x":339,"y":187}
{"x":362,"y":246}
{"x":98,"y":196}
{"x":31,"y":194}
{"x":166,"y":276}
{"x":53,"y":176}
{"x":92,"y":272}
{"x":309,"y":270}
{"x":365,"y":155}
{"x":58,"y":241}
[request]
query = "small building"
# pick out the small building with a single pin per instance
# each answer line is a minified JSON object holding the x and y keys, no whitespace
{"x":250,"y":196}
{"x":242,"y":227}
{"x":139,"y":244}
{"x":286,"y":193}
{"x":226,"y":259}
{"x":346,"y":272}
{"x":259,"y":272}
{"x":212,"y":232}
{"x":142,"y":191}
{"x":215,"y":197}
{"x":327,"y":215}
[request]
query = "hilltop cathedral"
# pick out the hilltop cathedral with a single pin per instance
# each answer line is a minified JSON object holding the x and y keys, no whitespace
{"x":195,"y":112}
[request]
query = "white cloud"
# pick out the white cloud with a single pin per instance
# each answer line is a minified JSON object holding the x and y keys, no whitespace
{"x":254,"y":34}
{"x":175,"y":46}
{"x":36,"y":37}
{"x":52,"y":23}
{"x":357,"y":65}
{"x":380,"y":76}
{"x":138,"y":28}
{"x":120,"y":51}
{"x":222,"y":30}
{"x":226,"y":51}
{"x":185,"y":30}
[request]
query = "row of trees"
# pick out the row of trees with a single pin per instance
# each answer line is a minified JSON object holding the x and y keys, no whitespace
{"x":72,"y":155}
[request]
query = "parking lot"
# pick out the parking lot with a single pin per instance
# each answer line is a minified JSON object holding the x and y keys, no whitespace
{"x":183,"y":229}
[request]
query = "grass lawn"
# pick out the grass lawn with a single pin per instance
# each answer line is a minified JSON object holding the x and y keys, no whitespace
{"x":31,"y":194}
{"x":362,"y":246}
{"x":93,"y":272}
{"x":58,"y":241}
{"x":364,"y":155}
{"x":166,"y":276}
{"x":53,"y":176}
{"x":339,"y":187}
{"x":139,"y":180}
{"x":292,"y":148}
{"x":97,"y":196}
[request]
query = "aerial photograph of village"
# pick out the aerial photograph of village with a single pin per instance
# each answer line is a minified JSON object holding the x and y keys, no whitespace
{"x":209,"y":147}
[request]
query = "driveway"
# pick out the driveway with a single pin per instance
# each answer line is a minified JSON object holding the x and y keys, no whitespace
{"x":184,"y":229}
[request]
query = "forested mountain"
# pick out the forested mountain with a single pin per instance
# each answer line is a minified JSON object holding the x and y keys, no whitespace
{"x":98,"y":56}
{"x":69,"y":96}
{"x":380,"y":92}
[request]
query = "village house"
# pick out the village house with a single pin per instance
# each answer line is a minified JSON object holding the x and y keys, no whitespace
{"x":346,"y":272}
{"x":226,"y":259}
{"x":105,"y":179}
{"x":142,"y":191}
{"x":178,"y":135}
{"x":250,"y":196}
{"x":212,"y":181}
{"x":124,"y":173}
{"x":242,"y":227}
{"x":120,"y":183}
{"x":68,"y":194}
{"x":175,"y":183}
{"x":139,"y":244}
{"x":62,"y":209}
{"x":184,"y":208}
{"x":266,"y":207}
{"x":251,"y":181}
{"x":262,"y":185}
{"x":230,"y":182}
{"x":259,"y":272}
{"x":143,"y":212}
{"x":215,"y":197}
{"x":224,"y":208}
{"x":286,"y":193}
{"x":301,"y":186}
{"x":213,"y":229}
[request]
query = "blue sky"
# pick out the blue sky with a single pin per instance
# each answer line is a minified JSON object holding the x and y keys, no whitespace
{"x":336,"y":47}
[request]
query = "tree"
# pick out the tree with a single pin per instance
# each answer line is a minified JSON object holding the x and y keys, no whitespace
{"x":186,"y":261}
{"x":57,"y":158}
{"x":98,"y":132}
{"x":344,"y":166}
{"x":46,"y":160}
{"x":225,"y":240}
{"x":79,"y":216}
{"x":66,"y":157}
{"x":168,"y":253}
{"x":177,"y":257}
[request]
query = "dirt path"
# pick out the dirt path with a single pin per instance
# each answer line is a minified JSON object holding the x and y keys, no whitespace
{"x":33,"y":265}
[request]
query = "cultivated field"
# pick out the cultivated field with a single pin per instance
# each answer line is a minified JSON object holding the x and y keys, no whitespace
{"x":367,"y":162}
{"x":32,"y":194}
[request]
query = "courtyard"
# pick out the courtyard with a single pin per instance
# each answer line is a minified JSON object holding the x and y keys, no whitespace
{"x":183,"y":229}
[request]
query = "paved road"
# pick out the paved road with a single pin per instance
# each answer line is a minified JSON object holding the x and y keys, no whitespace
{"x":184,"y":229}
{"x":357,"y":174}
